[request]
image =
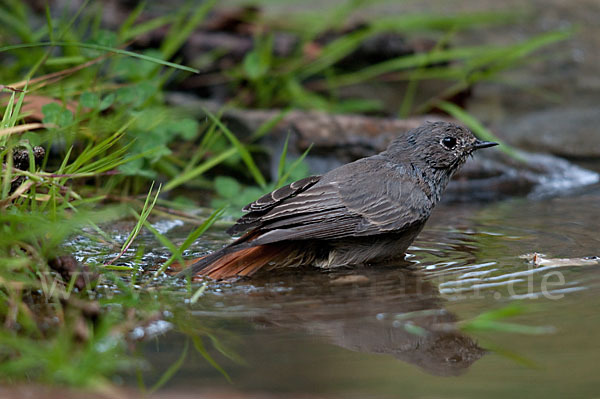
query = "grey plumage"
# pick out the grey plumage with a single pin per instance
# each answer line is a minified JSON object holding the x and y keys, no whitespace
{"x":366,"y":211}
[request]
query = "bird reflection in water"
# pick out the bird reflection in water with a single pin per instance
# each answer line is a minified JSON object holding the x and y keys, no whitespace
{"x":390,"y":310}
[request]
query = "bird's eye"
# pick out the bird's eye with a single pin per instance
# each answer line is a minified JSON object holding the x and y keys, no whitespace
{"x":449,"y":142}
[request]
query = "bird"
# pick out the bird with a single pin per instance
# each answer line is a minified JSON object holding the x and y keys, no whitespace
{"x":366,"y":212}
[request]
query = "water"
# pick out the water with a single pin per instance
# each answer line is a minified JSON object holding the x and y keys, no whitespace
{"x":393,"y":332}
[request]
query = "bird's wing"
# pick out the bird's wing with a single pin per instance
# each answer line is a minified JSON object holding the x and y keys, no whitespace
{"x":267,"y":202}
{"x":390,"y":202}
{"x":362,"y":204}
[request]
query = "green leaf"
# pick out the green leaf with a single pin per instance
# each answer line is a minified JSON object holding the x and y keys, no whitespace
{"x":51,"y":112}
{"x":227,"y":187}
{"x":89,"y":100}
{"x":187,"y":128}
{"x":126,"y":95}
{"x":136,"y":94}
{"x":56,"y":114}
{"x":249,"y":194}
{"x":138,"y":167}
{"x":252,"y":65}
{"x":101,"y":38}
{"x":107,"y":101}
{"x":105,"y":38}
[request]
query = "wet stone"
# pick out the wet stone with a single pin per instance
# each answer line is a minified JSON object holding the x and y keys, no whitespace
{"x":568,"y":132}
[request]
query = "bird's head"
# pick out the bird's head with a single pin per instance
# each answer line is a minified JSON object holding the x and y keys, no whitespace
{"x":441,"y":146}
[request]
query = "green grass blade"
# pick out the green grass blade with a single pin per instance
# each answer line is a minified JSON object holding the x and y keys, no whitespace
{"x":49,"y":22}
{"x":270,"y":124}
{"x":281,"y":165}
{"x":164,"y":241}
{"x":335,"y":51}
{"x":8,"y":111}
{"x":92,"y":46}
{"x":180,"y":32}
{"x":130,"y":20}
{"x":19,"y":26}
{"x":146,"y":26}
{"x":432,"y":22}
{"x":199,"y":345}
{"x":146,"y":210}
{"x":501,"y":326}
{"x":241,"y":149}
{"x":193,"y":236}
{"x":200,"y":169}
{"x":293,"y":166}
{"x":194,"y":298}
{"x":167,"y":375}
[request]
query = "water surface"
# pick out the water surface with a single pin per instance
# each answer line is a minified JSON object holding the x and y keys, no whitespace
{"x":392,"y":332}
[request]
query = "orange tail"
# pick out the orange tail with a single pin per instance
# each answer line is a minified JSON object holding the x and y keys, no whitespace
{"x":244,"y":262}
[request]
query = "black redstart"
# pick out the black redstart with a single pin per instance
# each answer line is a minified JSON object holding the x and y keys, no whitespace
{"x":365,"y":212}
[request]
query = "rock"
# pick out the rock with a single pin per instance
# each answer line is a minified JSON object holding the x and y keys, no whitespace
{"x":496,"y":175}
{"x":568,"y":132}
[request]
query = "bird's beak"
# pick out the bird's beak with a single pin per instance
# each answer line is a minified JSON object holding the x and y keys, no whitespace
{"x":479,"y":144}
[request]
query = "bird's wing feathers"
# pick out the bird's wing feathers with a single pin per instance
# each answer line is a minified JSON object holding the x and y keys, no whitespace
{"x":267,"y":202}
{"x":364,"y":204}
{"x":391,"y":202}
{"x":273,"y":198}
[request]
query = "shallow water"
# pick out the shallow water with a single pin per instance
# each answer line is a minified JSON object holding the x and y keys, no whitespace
{"x":393,"y":333}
